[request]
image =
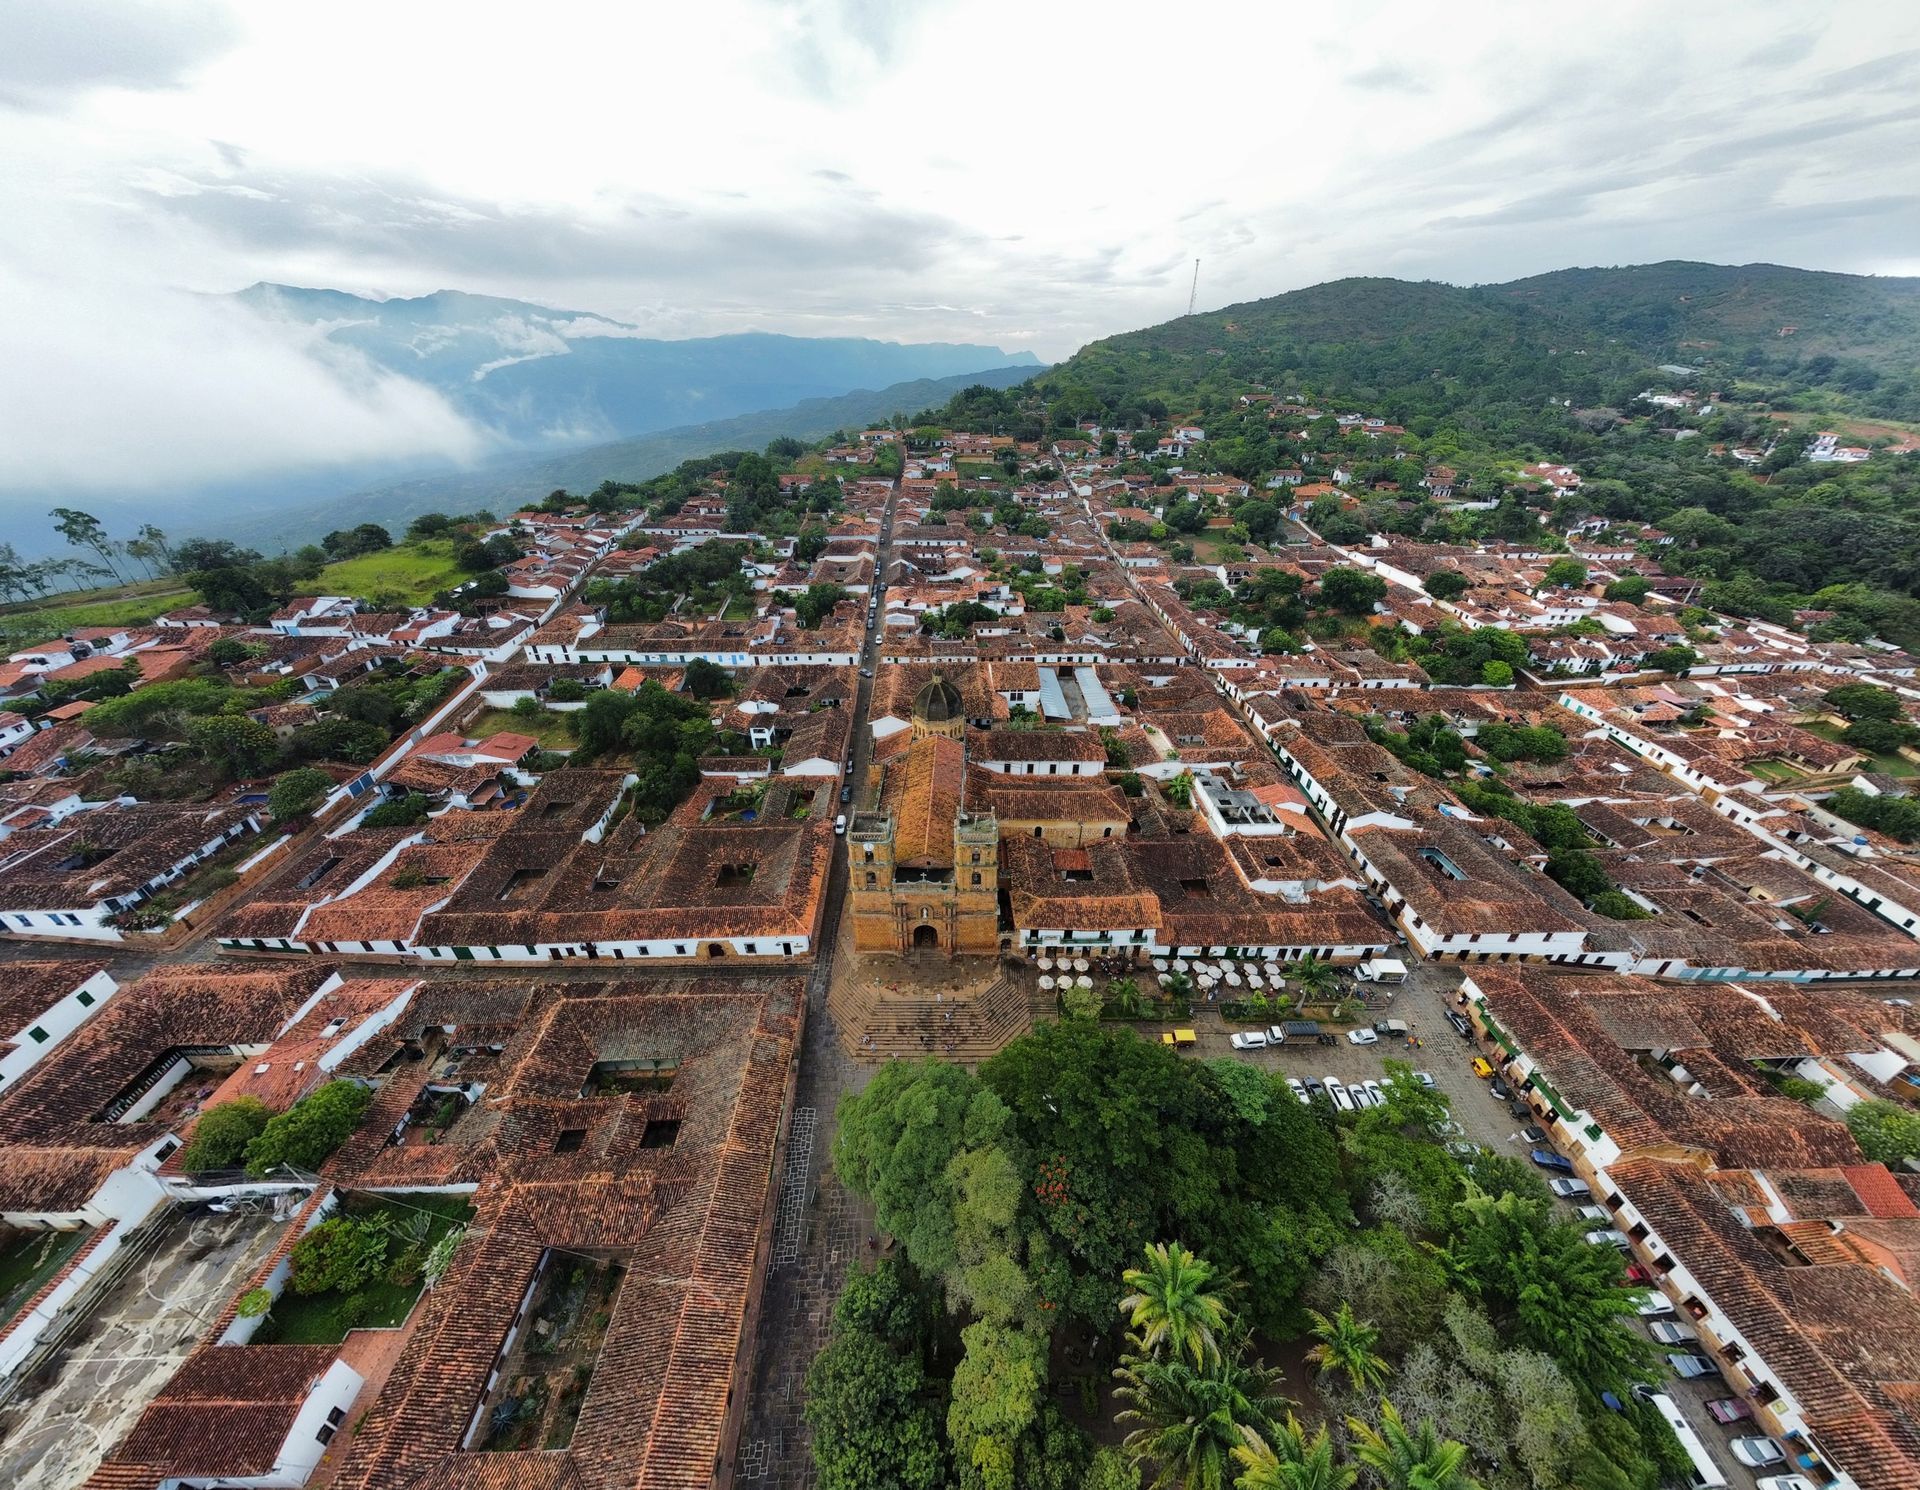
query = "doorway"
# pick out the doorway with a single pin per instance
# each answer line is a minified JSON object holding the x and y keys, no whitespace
{"x":925,"y":936}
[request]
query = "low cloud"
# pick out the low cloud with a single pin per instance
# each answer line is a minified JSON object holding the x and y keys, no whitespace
{"x":135,"y":388}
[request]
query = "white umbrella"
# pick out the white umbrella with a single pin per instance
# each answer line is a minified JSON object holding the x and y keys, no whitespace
{"x":1046,"y":964}
{"x":1046,"y":983}
{"x":1233,"y":980}
{"x":1273,"y":970}
{"x":1181,"y":965}
{"x":1080,"y":965}
{"x":1164,"y":978}
{"x":1159,"y":964}
{"x":1253,"y":982}
{"x":1084,"y":981}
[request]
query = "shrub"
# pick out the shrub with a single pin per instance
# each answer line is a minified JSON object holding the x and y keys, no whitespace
{"x":571,"y":690}
{"x":221,"y":1136}
{"x":339,"y":1254}
{"x":306,"y":1133}
{"x":398,"y":812}
{"x":296,"y":793}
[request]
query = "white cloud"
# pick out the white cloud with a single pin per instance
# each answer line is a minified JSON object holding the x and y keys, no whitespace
{"x":121,"y":387}
{"x":994,"y":171}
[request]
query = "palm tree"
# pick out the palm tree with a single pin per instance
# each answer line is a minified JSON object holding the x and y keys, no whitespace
{"x":1347,"y":1346}
{"x":1316,"y":978}
{"x":1191,"y":1421}
{"x":1175,"y":1304}
{"x":1416,"y":1460}
{"x":1293,"y":1462}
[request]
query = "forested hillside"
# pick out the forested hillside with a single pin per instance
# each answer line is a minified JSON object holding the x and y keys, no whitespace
{"x":1484,"y":380}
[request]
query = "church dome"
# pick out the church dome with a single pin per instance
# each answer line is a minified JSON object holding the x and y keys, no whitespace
{"x":937,"y":702}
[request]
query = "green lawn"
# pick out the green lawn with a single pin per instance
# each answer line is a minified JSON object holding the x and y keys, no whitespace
{"x":407,"y":574}
{"x":315,"y":1319}
{"x":549,"y":728}
{"x":1886,"y":765}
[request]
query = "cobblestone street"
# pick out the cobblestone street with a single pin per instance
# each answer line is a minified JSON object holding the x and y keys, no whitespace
{"x":820,"y":1235}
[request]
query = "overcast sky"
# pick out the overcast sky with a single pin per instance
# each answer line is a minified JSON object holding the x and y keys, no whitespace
{"x":1031,"y":173}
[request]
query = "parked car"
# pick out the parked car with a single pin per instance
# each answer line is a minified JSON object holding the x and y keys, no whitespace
{"x":1656,"y":1306}
{"x":1534,"y":1134}
{"x":1461,"y":1149}
{"x":1446,"y":1128}
{"x":1460,"y":1025}
{"x":1521,"y":1110}
{"x":1548,"y":1159}
{"x":1783,"y":1482}
{"x":1597,"y":1213}
{"x":1730,"y":1410}
{"x":1691,"y":1366}
{"x":1638,"y":1275}
{"x":1425,"y":1078}
{"x":1299,"y":1091}
{"x":1481,"y":1068}
{"x":1758,"y":1452}
{"x":846,"y":795}
{"x":1378,"y":1093}
{"x":840,"y":825}
{"x":1362,"y":1037}
{"x":1569,"y":1189}
{"x":1248,"y":1040}
{"x":1362,"y":1098}
{"x":866,"y":672}
{"x":1314,"y":1087}
{"x":1607,"y":1236}
{"x":1500,"y":1089}
{"x":1338,"y":1094}
{"x":1669,"y":1333}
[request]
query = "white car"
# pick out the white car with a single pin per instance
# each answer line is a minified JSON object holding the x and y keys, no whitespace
{"x":1299,"y":1091}
{"x":1669,"y":1333}
{"x":840,"y":825}
{"x":1568,"y":1188}
{"x":1362,"y":1037}
{"x":1337,"y":1094}
{"x":1783,"y":1482}
{"x":1758,"y":1453}
{"x":1378,"y":1093}
{"x":1657,"y":1306}
{"x":1249,"y":1040}
{"x":1607,"y":1236}
{"x":1597,"y":1213}
{"x":1425,"y":1078}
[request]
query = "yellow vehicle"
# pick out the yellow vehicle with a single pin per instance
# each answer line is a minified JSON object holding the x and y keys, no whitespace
{"x":1481,"y":1068}
{"x":1178,"y":1038}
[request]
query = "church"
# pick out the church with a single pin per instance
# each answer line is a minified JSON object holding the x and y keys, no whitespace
{"x":924,"y":870}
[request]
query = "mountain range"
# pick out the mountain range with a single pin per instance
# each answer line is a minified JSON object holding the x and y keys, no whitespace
{"x":537,"y":377}
{"x":501,"y":486}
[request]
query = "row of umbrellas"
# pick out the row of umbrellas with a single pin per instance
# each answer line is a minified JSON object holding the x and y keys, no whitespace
{"x":1048,"y":982}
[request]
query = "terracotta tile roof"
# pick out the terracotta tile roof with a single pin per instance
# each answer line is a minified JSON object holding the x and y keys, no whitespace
{"x":227,"y":1411}
{"x":923,"y":793}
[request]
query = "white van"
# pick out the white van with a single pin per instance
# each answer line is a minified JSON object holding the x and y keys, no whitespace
{"x":1381,"y":970}
{"x":1702,"y":1472}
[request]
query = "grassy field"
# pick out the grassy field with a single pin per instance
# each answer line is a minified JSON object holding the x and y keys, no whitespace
{"x":407,"y":574}
{"x":23,"y":625}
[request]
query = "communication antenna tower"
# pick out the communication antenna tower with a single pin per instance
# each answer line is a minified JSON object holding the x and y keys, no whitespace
{"x":1194,"y":293}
